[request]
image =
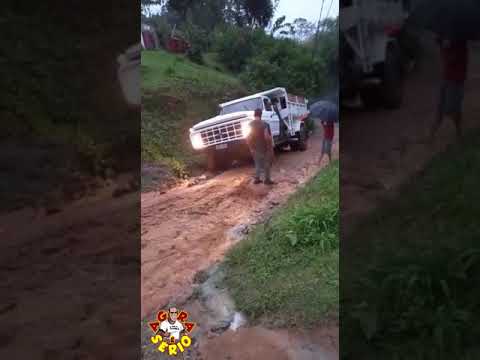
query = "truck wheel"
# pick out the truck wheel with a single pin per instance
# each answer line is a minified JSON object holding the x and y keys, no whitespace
{"x":215,"y":161}
{"x":302,"y":139}
{"x":392,"y":85}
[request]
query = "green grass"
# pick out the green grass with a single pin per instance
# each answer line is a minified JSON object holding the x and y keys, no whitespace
{"x":211,"y":60}
{"x":410,"y":291}
{"x":176,"y":94}
{"x":286,"y":272}
{"x":162,"y":70}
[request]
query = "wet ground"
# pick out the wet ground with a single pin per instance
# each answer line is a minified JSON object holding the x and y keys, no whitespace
{"x":190,"y":228}
{"x":223,"y":333}
{"x":74,"y":269}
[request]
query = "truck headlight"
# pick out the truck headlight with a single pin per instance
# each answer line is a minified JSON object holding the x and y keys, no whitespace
{"x":197,"y":141}
{"x":246,"y":129}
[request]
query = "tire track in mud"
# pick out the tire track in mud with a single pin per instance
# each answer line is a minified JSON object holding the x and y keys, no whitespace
{"x":187,"y":229}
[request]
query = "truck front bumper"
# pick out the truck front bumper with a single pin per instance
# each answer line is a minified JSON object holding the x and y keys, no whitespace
{"x":232,"y":149}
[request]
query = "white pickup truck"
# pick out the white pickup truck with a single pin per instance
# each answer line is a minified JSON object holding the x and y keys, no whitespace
{"x":223,"y":136}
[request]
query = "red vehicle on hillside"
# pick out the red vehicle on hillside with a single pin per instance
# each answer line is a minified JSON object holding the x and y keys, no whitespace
{"x":177,"y":44}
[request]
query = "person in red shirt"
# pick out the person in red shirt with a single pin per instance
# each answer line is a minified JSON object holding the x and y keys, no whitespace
{"x":328,"y":133}
{"x":455,"y":63}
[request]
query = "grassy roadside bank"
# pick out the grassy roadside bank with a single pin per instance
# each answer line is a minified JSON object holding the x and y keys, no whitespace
{"x":286,"y":273}
{"x":408,"y":292}
{"x":176,"y":94}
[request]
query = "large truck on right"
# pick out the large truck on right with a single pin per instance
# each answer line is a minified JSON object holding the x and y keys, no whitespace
{"x":372,"y":61}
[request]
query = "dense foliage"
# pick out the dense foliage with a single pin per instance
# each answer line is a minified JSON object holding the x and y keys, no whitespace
{"x":262,"y":52}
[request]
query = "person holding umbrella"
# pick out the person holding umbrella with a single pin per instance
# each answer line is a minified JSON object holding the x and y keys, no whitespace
{"x":328,"y":133}
{"x":455,"y":64}
{"x":327,"y":112}
{"x":454,"y":23}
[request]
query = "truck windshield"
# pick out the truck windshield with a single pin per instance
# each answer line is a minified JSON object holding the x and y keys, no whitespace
{"x":246,"y":105}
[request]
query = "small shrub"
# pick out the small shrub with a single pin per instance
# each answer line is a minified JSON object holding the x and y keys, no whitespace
{"x":198,"y":39}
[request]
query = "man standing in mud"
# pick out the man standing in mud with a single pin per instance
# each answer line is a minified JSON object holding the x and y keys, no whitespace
{"x":261,"y":147}
{"x":455,"y":62}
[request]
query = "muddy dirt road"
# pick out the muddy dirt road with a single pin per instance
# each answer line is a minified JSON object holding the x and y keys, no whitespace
{"x":189,"y":228}
{"x":76,"y":270}
{"x":382,"y":149}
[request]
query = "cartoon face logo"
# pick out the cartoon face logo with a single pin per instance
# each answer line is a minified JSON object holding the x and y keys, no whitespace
{"x":172,"y":314}
{"x":171,"y":331}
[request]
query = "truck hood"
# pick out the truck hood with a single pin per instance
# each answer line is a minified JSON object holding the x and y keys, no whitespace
{"x":223,"y":118}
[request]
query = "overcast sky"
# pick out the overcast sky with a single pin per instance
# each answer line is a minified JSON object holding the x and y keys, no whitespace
{"x":308,"y":9}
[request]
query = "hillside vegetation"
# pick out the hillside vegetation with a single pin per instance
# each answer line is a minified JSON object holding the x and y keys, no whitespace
{"x":176,"y":94}
{"x":236,"y":48}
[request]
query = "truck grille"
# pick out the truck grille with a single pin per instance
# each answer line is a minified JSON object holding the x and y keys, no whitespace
{"x":222,"y":133}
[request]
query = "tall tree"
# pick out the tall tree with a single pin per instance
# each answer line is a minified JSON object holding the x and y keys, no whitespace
{"x":303,"y":29}
{"x":280,"y":24}
{"x":259,"y":12}
{"x":207,"y":14}
{"x":235,"y":13}
{"x":180,"y":6}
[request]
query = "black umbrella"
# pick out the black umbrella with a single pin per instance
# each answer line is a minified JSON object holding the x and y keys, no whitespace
{"x":455,"y":19}
{"x":324,"y":110}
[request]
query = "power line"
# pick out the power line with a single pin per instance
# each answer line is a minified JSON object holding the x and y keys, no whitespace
{"x":314,"y":49}
{"x":328,"y":13}
{"x":320,"y":19}
{"x":329,"y":8}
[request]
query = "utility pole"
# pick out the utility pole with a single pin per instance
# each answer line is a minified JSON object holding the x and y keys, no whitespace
{"x":328,"y":12}
{"x":314,"y":50}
